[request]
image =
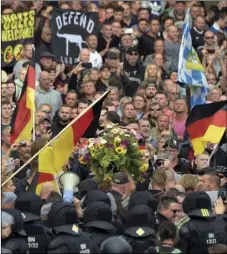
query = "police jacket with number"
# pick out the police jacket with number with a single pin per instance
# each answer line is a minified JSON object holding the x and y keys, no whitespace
{"x":38,"y":238}
{"x":66,"y":243}
{"x":201,"y":231}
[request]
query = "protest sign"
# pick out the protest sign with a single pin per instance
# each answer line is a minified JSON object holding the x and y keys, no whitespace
{"x":17,"y":29}
{"x":69,"y":32}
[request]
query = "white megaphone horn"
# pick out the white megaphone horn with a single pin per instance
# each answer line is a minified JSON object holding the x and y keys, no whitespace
{"x":69,"y":181}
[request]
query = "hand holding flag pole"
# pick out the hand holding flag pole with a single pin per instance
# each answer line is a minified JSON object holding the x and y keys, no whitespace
{"x":84,"y":113}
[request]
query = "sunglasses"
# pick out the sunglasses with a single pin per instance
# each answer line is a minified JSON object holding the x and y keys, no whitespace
{"x":212,"y":37}
{"x":175,"y":211}
{"x":155,"y":109}
{"x":46,"y":111}
{"x":133,"y":54}
{"x":159,"y":163}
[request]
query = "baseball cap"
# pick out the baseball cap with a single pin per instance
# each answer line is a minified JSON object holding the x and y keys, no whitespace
{"x":4,"y":76}
{"x":132,"y":49}
{"x":162,"y":156}
{"x":47,"y":54}
{"x":120,"y":178}
{"x":172,"y":142}
{"x":112,"y":55}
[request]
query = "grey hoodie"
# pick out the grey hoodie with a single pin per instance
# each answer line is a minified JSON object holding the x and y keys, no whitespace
{"x":51,"y":97}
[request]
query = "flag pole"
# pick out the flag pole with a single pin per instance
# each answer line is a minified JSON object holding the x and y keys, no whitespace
{"x":51,"y":141}
{"x":211,"y":155}
{"x":33,"y":123}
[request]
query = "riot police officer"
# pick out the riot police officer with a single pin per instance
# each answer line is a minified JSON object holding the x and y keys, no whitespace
{"x":17,"y":241}
{"x":97,"y":219}
{"x":39,"y":236}
{"x":117,"y":245}
{"x":69,"y":238}
{"x":203,"y":229}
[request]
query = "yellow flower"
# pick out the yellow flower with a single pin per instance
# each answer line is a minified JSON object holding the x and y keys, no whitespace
{"x":82,"y":161}
{"x":120,"y":150}
{"x":117,"y":140}
{"x":144,"y":168}
{"x":100,"y":146}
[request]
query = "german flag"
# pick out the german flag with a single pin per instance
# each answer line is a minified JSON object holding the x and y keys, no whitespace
{"x":206,"y":123}
{"x":45,"y":172}
{"x":54,"y":157}
{"x":22,"y":120}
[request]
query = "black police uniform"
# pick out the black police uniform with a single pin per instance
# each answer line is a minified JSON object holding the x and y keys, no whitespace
{"x":97,"y":220}
{"x":16,"y":242}
{"x":139,"y":228}
{"x":117,"y":245}
{"x":39,"y":236}
{"x":203,"y":229}
{"x":69,"y":238}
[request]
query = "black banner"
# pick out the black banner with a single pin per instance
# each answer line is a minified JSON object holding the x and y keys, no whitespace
{"x":69,"y":32}
{"x":17,"y":29}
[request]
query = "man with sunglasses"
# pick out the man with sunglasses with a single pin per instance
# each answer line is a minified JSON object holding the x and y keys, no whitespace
{"x":179,"y":165}
{"x":134,"y":70}
{"x":168,"y":208}
{"x":208,"y":46}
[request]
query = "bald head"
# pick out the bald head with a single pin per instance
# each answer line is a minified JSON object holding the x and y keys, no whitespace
{"x":46,"y":190}
{"x":85,"y":55}
{"x":44,"y":80}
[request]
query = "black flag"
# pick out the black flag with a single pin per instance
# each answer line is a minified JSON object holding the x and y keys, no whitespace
{"x":69,"y":33}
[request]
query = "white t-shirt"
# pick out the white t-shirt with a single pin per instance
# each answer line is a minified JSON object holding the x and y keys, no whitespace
{"x":95,"y":59}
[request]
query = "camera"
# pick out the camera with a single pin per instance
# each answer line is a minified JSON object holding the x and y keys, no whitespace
{"x":222,"y":193}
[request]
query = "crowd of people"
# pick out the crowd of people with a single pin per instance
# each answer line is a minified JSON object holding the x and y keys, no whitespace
{"x":180,"y":205}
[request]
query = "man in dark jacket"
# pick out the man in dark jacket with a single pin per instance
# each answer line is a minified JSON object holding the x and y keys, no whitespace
{"x":97,"y":219}
{"x":69,"y":237}
{"x":134,"y":70}
{"x":203,"y":229}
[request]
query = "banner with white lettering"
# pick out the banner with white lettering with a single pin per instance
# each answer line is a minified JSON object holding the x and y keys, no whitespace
{"x":17,"y":29}
{"x":69,"y":33}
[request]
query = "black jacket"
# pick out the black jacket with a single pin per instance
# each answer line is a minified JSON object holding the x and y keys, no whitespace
{"x":201,"y":231}
{"x":146,"y":45}
{"x":135,"y":75}
{"x":66,"y":243}
{"x":16,"y":244}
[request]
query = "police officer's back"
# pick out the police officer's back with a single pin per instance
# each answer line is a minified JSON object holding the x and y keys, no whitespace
{"x":39,"y":236}
{"x":203,"y":229}
{"x":17,"y":241}
{"x":116,"y":245}
{"x":139,"y":228}
{"x":69,"y":238}
{"x":97,"y":219}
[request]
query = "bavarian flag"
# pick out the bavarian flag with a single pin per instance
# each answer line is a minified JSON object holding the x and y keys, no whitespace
{"x":206,"y":123}
{"x":54,"y":157}
{"x":22,"y":119}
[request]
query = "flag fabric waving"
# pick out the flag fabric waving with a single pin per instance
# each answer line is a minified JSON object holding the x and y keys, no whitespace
{"x":190,"y":70}
{"x":45,"y":172}
{"x":22,"y":120}
{"x":83,"y":126}
{"x":206,"y":123}
{"x":54,"y":157}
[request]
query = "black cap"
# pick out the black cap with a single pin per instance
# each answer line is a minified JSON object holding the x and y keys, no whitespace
{"x":132,"y":49}
{"x":18,"y":226}
{"x":47,"y":54}
{"x":98,"y":215}
{"x":173,"y":143}
{"x":196,"y":200}
{"x":45,"y":119}
{"x":30,"y":205}
{"x":115,"y":244}
{"x":86,"y":185}
{"x":112,"y":55}
{"x":142,"y":198}
{"x":140,"y":221}
{"x":63,"y":218}
{"x":94,"y":196}
{"x":120,"y":178}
